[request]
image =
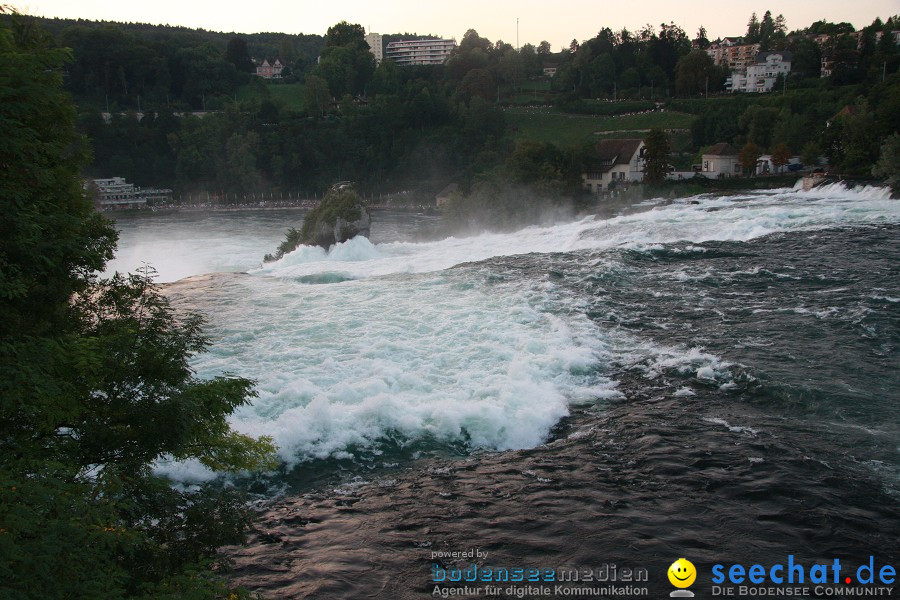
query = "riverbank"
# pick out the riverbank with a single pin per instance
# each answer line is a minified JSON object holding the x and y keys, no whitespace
{"x":733,"y":185}
{"x":276,"y":205}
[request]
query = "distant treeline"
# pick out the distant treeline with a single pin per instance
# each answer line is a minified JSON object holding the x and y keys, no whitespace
{"x":339,"y":116}
{"x":117,"y":65}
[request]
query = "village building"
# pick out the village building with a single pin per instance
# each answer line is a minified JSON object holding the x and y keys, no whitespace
{"x":720,"y":161}
{"x":443,"y":197}
{"x":116,"y":193}
{"x":270,"y":69}
{"x":736,"y":56}
{"x":761,"y":76}
{"x":614,"y":163}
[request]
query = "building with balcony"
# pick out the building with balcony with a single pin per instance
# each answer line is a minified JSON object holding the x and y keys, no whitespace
{"x":420,"y":52}
{"x":760,"y":77}
{"x":732,"y":54}
{"x":116,"y":193}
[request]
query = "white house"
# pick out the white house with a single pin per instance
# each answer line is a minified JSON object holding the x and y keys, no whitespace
{"x":762,"y":74}
{"x":720,"y":161}
{"x":614,"y":162}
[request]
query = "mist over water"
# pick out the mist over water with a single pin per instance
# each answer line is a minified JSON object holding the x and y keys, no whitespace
{"x":379,"y":350}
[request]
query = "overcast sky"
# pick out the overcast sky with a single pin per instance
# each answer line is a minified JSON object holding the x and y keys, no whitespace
{"x":557,"y":22}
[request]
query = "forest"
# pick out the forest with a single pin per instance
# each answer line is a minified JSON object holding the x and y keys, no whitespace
{"x":179,"y":108}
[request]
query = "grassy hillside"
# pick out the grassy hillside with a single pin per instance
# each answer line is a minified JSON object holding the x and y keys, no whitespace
{"x":290,"y":94}
{"x":551,"y":125}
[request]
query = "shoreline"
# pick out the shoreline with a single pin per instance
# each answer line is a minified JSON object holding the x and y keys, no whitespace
{"x":193,"y":208}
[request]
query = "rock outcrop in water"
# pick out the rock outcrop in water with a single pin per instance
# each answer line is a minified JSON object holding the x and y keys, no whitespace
{"x":340,"y":216}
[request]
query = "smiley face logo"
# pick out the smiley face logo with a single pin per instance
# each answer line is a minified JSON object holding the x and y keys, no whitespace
{"x":682,"y":573}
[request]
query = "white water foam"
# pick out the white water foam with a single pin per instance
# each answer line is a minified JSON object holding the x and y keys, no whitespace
{"x":405,"y":348}
{"x":712,"y":218}
{"x":446,"y":357}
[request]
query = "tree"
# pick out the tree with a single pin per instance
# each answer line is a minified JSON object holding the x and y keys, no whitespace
{"x":780,"y":31}
{"x":511,"y":67}
{"x":811,"y":154}
{"x":753,"y":32}
{"x":759,"y":124}
{"x":695,"y":73}
{"x":807,"y":60}
{"x":236,"y":53}
{"x":286,"y":52}
{"x":748,"y":156}
{"x":480,"y":83}
{"x":315,"y":94}
{"x":95,"y":380}
{"x":702,"y":40}
{"x":888,"y":165}
{"x":766,"y":30}
{"x":346,"y":63}
{"x":656,"y":156}
{"x":350,"y":35}
{"x":471,"y":41}
{"x":781,"y":155}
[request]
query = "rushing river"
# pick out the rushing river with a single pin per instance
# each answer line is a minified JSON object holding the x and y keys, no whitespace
{"x":715,"y":375}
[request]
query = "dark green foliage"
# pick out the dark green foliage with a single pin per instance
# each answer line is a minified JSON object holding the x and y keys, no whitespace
{"x":95,"y":383}
{"x":888,"y":165}
{"x":338,"y":203}
{"x":236,"y":53}
{"x":656,"y":156}
{"x":748,"y":156}
{"x":697,"y":74}
{"x":420,"y":127}
{"x":291,"y":242}
{"x":346,"y":63}
{"x":124,"y":64}
{"x":49,"y":238}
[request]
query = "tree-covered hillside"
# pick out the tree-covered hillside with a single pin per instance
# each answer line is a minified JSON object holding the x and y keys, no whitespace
{"x":337,"y":115}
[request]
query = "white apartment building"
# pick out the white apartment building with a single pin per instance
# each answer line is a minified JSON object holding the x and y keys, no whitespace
{"x":376,"y":46}
{"x":420,"y":52}
{"x":761,"y":75}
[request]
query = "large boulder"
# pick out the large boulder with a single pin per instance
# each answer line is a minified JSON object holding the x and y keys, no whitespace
{"x":349,"y":222}
{"x":340,"y":217}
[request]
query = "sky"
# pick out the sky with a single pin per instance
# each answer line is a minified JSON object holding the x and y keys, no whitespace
{"x":557,"y":22}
